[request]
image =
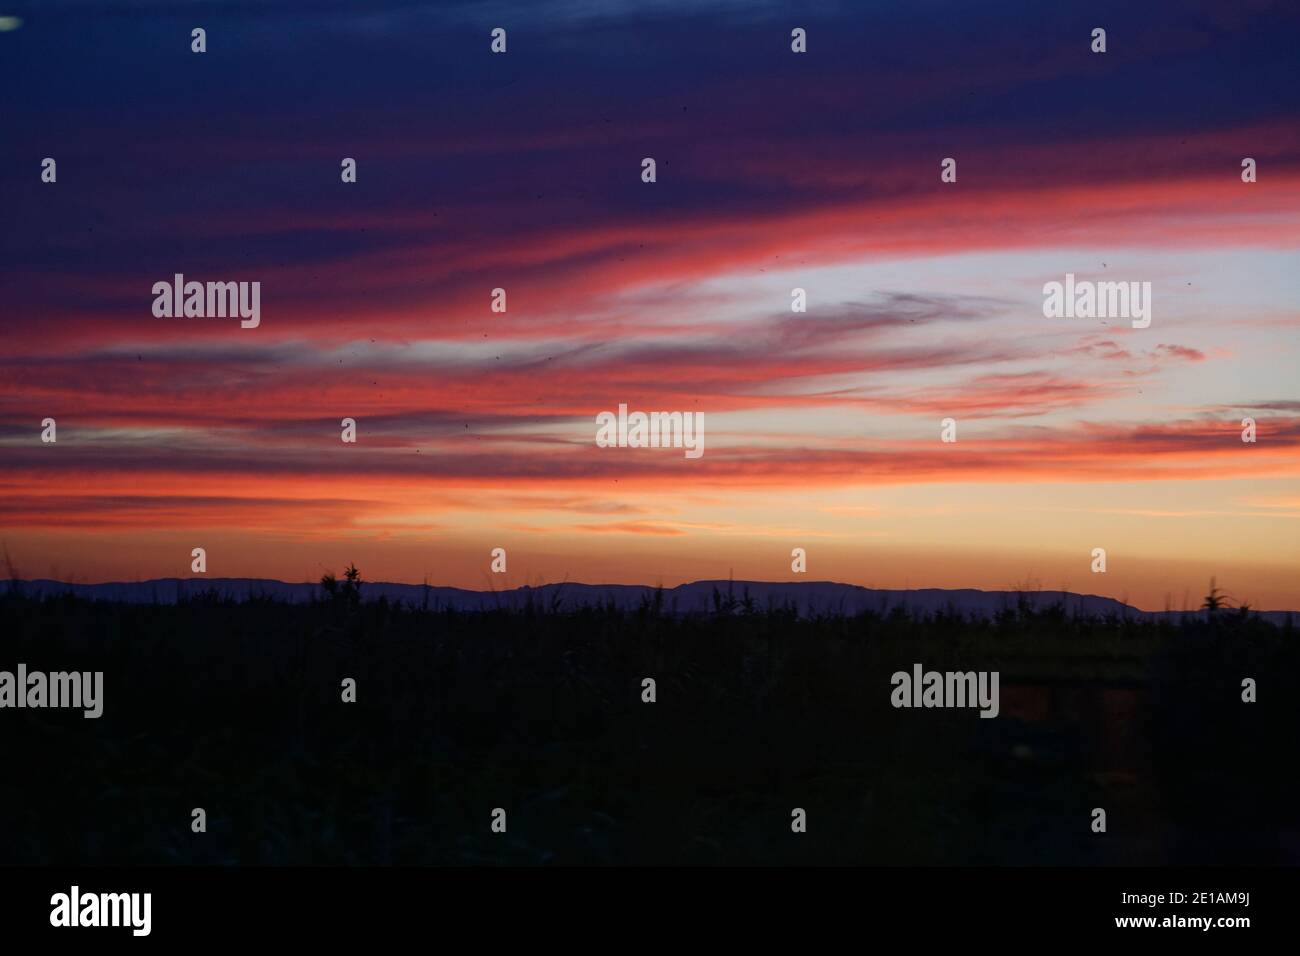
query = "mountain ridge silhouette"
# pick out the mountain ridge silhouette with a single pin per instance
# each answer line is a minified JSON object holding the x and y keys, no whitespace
{"x":807,"y":597}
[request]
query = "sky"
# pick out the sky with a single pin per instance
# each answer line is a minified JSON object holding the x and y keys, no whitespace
{"x":775,"y":170}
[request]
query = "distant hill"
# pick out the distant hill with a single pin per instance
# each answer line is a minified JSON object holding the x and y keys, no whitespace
{"x":808,"y":597}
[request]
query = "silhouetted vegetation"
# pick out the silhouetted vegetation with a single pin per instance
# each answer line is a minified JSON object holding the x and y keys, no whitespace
{"x":236,"y":708}
{"x":1215,"y":601}
{"x":347,"y":594}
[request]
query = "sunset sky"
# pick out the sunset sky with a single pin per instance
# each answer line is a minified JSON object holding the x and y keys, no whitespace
{"x":776,"y":170}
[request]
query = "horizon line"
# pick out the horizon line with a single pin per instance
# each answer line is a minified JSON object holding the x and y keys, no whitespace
{"x":650,"y":587}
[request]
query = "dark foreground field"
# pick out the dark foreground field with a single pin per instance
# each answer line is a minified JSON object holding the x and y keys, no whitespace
{"x":236,"y":708}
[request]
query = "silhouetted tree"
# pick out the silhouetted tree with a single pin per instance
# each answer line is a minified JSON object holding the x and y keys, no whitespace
{"x":1215,"y":601}
{"x":349,"y":592}
{"x":352,"y":586}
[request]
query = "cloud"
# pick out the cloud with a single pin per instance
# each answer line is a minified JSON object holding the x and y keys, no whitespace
{"x":1179,"y":352}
